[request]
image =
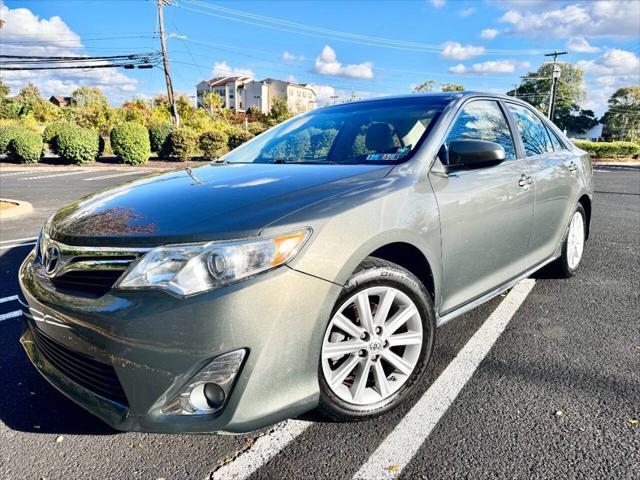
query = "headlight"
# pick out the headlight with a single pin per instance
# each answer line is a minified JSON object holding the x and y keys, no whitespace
{"x":190,"y":269}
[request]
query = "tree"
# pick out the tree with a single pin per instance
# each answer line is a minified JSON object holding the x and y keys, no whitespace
{"x":90,"y":109}
{"x":452,"y":87}
{"x":576,"y":120}
{"x":536,"y":86}
{"x":32,"y":104}
{"x":280,"y":110}
{"x":622,"y":120}
{"x":89,"y":97}
{"x":212,"y":102}
{"x":9,"y":108}
{"x":424,"y":87}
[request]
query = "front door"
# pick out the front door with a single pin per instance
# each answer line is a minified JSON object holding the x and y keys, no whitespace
{"x":485,"y":213}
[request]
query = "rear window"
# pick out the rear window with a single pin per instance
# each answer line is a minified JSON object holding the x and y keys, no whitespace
{"x":385,"y":131}
{"x":533,"y":132}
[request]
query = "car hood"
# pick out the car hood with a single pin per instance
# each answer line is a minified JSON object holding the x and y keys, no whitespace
{"x":212,"y":202}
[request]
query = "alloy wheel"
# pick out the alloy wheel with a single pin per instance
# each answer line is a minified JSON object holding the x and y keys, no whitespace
{"x":372,"y":345}
{"x":575,"y":240}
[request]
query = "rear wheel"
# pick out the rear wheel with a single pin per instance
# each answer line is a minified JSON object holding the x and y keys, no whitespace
{"x":573,"y":246}
{"x":377,"y":344}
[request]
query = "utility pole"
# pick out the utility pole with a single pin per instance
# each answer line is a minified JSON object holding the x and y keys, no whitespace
{"x":165,"y":61}
{"x":555,"y":75}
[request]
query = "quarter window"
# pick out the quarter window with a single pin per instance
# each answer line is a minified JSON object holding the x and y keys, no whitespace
{"x":557,"y":144}
{"x":534,"y":134}
{"x":483,"y":120}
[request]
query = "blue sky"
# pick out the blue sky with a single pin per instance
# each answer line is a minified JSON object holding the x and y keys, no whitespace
{"x":482,"y":44}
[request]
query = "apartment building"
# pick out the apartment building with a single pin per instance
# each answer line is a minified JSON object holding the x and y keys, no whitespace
{"x":242,"y":93}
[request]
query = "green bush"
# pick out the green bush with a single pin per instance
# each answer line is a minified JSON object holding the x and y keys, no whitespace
{"x":213,"y":144}
{"x":159,"y":134}
{"x":78,"y":145}
{"x":51,"y":133}
{"x":26,"y":147}
{"x":237,"y":137}
{"x":608,"y":149}
{"x":130,"y":143}
{"x":256,"y":128}
{"x":182,"y":143}
{"x":8,"y":133}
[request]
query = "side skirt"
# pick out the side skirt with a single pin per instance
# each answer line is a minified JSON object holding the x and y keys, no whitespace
{"x":441,"y":320}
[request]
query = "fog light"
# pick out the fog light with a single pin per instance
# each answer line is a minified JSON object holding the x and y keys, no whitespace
{"x":207,"y":392}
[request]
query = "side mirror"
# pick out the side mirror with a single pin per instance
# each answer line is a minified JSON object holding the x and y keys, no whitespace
{"x":474,"y":154}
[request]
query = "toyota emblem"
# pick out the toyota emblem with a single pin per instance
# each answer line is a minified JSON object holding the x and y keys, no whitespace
{"x":51,"y":259}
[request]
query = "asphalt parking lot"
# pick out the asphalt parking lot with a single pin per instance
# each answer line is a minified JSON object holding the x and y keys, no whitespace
{"x":557,"y":395}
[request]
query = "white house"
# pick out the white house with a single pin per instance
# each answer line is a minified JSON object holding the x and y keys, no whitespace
{"x":594,"y":133}
{"x":242,"y":93}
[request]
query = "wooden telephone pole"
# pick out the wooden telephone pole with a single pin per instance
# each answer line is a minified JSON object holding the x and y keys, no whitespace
{"x":165,"y":61}
{"x":555,"y":75}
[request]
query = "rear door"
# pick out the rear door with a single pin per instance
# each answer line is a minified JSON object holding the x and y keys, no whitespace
{"x":485,"y":213}
{"x":553,"y":169}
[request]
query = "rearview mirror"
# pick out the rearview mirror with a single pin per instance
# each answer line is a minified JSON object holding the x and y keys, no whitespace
{"x":474,"y":154}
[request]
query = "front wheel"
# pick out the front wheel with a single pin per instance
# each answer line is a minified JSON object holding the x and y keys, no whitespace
{"x":377,"y":344}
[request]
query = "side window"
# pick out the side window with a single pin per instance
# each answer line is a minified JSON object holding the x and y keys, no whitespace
{"x":483,"y":120}
{"x":534,"y":134}
{"x":555,"y":141}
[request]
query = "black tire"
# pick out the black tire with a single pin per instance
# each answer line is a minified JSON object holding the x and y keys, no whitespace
{"x":377,"y":272}
{"x":560,"y":267}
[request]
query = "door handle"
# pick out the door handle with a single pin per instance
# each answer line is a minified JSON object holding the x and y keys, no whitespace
{"x":525,"y":180}
{"x":572,"y":166}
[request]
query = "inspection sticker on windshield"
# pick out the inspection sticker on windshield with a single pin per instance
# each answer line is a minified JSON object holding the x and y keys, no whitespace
{"x":385,"y":156}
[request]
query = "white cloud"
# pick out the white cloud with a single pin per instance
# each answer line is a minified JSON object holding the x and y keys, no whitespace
{"x":457,"y":51}
{"x":610,"y":18}
{"x":490,"y":66}
{"x":467,"y":12}
{"x":613,"y":62}
{"x":580,"y":45}
{"x":292,"y":79}
{"x":460,"y":68}
{"x":325,"y":94}
{"x":327,"y":64}
{"x":223,"y":69}
{"x":489,"y":33}
{"x":290,"y":57}
{"x":438,"y":3}
{"x":31,"y":30}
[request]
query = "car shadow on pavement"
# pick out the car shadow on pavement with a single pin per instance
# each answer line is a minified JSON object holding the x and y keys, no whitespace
{"x":29,"y":403}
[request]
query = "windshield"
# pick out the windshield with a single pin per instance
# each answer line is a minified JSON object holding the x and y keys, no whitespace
{"x":383,"y":131}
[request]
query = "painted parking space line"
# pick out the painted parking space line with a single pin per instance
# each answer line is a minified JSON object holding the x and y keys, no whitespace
{"x":264,"y":449}
{"x":17,"y":245}
{"x":14,"y":174}
{"x":7,"y":316}
{"x":53,"y":175}
{"x":18,"y":240}
{"x":11,"y":298}
{"x":397,"y":450}
{"x":113,"y":175}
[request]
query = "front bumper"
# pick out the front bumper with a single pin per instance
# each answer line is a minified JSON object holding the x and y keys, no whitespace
{"x":156,"y":343}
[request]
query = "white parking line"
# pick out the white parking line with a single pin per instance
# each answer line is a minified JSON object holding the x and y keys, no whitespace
{"x":12,"y":298}
{"x":407,"y":437}
{"x":7,"y":316}
{"x":17,"y":245}
{"x":114,"y":175}
{"x":13,"y":174}
{"x":263,"y":450}
{"x":18,"y":240}
{"x":53,"y":175}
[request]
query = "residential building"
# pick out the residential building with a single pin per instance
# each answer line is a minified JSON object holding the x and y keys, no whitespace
{"x":231,"y":89}
{"x":241,"y":93}
{"x":59,"y":101}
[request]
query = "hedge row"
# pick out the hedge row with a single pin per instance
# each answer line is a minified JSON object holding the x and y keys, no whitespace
{"x":132,"y":143}
{"x":609,"y":149}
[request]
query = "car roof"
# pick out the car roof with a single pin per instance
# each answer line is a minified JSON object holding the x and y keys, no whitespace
{"x":442,"y":97}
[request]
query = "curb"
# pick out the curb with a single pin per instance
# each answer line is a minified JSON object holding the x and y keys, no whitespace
{"x":22,"y":208}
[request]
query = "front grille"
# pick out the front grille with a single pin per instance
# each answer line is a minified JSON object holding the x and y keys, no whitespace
{"x":97,"y":377}
{"x":91,"y":282}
